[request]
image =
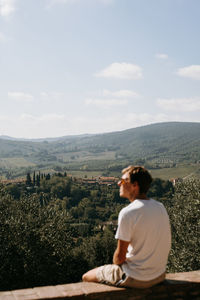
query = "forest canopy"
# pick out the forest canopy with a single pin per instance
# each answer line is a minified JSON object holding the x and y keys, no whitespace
{"x":53,"y":232}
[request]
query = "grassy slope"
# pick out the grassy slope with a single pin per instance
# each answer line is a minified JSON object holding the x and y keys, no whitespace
{"x":175,"y":142}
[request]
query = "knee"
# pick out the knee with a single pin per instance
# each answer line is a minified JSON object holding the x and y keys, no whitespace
{"x":90,"y":276}
{"x":84,"y":277}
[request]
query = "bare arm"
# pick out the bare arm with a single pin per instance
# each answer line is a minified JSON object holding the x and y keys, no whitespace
{"x":120,"y":253}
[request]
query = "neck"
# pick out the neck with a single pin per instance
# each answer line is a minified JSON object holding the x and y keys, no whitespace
{"x":139,"y":196}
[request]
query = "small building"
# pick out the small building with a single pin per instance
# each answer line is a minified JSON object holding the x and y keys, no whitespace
{"x":107,"y":180}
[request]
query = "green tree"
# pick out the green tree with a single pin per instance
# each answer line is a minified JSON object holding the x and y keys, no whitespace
{"x":48,"y":176}
{"x":184,"y":212}
{"x":38,"y":179}
{"x":161,"y":188}
{"x":34,"y":179}
{"x":37,"y":243}
{"x":60,"y":187}
{"x":99,"y":250}
{"x":13,"y":190}
{"x":28,"y":179}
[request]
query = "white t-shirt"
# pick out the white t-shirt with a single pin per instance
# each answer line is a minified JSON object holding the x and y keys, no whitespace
{"x":145,"y":224}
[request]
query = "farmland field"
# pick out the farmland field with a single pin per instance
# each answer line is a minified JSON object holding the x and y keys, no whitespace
{"x":181,"y":171}
{"x":15,"y":162}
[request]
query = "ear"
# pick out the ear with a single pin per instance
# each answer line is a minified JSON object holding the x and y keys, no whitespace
{"x":136,"y":185}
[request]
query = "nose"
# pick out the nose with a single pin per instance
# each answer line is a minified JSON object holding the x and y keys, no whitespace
{"x":119,"y":183}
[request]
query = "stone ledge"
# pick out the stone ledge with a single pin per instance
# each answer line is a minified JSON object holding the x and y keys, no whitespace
{"x":176,"y":286}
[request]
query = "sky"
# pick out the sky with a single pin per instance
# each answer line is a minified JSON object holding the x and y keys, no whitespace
{"x":70,"y":67}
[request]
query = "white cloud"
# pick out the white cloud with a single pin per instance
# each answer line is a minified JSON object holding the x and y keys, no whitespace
{"x":7,"y":7}
{"x":121,"y":71}
{"x":51,"y":117}
{"x":108,"y":98}
{"x":105,"y":103}
{"x":192,"y":71}
{"x":20,"y":96}
{"x":180,"y":104}
{"x":43,"y":118}
{"x":54,"y":96}
{"x":161,"y":56}
{"x":121,"y":94}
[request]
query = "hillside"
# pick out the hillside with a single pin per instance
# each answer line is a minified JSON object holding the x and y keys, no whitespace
{"x":162,"y":145}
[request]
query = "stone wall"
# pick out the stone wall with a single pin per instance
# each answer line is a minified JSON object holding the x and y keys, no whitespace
{"x":176,"y":286}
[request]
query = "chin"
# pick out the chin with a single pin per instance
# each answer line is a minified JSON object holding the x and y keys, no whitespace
{"x":122,"y":195}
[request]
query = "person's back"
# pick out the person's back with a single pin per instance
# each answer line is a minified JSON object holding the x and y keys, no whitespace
{"x":145,"y":224}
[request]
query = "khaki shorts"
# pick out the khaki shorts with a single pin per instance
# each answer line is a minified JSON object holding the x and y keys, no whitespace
{"x":114,"y":275}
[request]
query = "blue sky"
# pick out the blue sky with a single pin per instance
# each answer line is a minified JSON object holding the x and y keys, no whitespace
{"x":91,"y":66}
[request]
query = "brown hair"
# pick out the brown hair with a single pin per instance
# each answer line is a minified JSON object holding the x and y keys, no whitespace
{"x":141,"y":175}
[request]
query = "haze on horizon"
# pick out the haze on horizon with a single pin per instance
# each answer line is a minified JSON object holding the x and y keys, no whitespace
{"x":71,"y":67}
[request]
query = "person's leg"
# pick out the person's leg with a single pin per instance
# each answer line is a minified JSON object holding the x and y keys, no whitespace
{"x":108,"y":274}
{"x":134,"y":283}
{"x":90,"y":276}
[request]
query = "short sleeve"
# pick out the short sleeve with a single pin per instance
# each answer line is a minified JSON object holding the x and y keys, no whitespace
{"x":123,"y":231}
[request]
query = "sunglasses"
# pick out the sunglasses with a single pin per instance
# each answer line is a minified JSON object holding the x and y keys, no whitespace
{"x":122,"y":181}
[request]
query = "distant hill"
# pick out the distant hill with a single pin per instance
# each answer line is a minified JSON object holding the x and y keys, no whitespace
{"x":48,"y":139}
{"x":157,"y":145}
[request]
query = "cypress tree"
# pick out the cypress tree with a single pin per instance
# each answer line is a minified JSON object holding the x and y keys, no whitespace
{"x":34,"y":178}
{"x":28,"y":179}
{"x":38,"y":180}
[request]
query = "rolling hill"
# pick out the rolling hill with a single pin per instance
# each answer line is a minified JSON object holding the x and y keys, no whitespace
{"x":158,"y":146}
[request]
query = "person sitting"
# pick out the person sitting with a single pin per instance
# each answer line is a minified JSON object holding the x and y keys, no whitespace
{"x":143,"y":234}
